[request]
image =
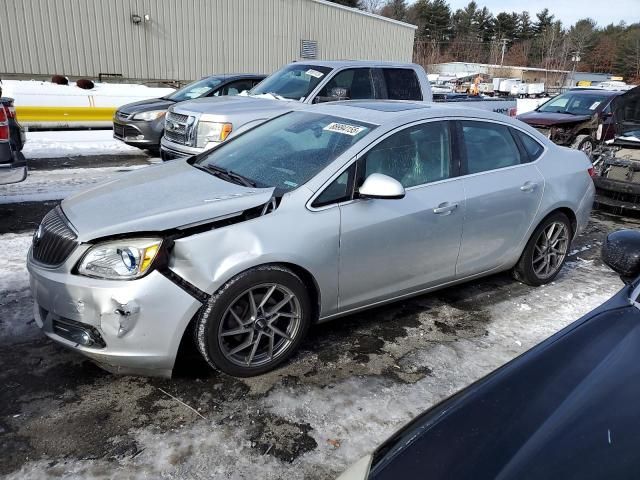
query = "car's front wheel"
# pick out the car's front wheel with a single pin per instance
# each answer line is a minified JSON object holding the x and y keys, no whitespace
{"x":585,"y":144}
{"x":254,"y":322}
{"x":545,"y":252}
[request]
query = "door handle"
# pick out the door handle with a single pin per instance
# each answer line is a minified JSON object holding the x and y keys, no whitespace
{"x":529,"y":187}
{"x":445,"y":208}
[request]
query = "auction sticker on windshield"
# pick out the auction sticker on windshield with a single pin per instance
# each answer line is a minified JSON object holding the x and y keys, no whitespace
{"x":314,"y":73}
{"x":352,"y":130}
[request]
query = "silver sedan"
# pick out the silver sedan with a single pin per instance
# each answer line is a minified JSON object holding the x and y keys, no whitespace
{"x":311,"y":216}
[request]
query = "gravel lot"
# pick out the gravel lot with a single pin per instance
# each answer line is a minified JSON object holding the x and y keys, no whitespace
{"x":353,"y":383}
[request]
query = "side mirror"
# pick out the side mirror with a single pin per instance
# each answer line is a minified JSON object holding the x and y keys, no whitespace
{"x":621,"y":252}
{"x":381,"y":186}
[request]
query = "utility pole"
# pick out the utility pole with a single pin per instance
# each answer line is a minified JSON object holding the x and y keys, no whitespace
{"x":504,"y":48}
{"x":575,"y":58}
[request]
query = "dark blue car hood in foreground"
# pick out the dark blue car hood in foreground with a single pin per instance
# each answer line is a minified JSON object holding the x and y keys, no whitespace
{"x":568,"y":408}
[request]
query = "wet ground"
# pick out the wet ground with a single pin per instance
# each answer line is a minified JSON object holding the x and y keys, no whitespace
{"x":353,"y":383}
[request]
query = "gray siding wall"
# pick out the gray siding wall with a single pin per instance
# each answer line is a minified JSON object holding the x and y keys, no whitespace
{"x":186,"y":39}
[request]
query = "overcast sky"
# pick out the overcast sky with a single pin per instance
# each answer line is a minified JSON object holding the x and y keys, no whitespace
{"x":603,"y":12}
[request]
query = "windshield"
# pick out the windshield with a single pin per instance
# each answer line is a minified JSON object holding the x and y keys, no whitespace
{"x":287,"y":151}
{"x":294,"y":82}
{"x":195,"y":90}
{"x":575,"y":104}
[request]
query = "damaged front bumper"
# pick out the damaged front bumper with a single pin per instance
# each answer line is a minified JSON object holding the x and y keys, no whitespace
{"x":126,"y":327}
{"x":618,"y":183}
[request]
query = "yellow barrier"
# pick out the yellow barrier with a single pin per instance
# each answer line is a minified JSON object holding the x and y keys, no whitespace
{"x":64,"y":114}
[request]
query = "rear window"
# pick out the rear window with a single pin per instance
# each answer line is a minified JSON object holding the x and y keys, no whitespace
{"x":402,"y":84}
{"x":531,"y":146}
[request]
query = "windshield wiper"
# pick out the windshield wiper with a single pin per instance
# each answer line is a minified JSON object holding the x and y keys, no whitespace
{"x":229,"y":175}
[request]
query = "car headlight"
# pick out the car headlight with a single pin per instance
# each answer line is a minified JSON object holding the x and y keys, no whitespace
{"x":148,"y":116}
{"x":120,"y":259}
{"x":212,"y":132}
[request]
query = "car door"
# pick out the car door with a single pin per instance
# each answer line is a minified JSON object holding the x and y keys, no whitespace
{"x":393,"y":247}
{"x":503,"y":191}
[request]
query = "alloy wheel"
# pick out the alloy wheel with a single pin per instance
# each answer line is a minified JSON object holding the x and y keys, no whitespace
{"x":587,"y":147}
{"x":259,"y":325}
{"x":550,"y":250}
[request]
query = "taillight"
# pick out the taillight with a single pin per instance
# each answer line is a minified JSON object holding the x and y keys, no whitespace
{"x":11,"y":111}
{"x":4,"y":126}
{"x":591,"y":171}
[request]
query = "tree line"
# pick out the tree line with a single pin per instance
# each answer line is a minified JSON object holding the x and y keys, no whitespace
{"x":475,"y":34}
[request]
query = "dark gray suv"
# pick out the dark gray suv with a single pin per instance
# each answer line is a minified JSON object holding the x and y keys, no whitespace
{"x":140,"y":124}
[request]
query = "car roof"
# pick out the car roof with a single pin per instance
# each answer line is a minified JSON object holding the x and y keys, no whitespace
{"x":355,"y":63}
{"x":237,"y":76}
{"x":594,"y":91}
{"x":381,"y":112}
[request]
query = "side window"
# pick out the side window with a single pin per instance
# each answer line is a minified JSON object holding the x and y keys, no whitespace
{"x":356,"y":82}
{"x":414,"y":156}
{"x":531,"y":146}
{"x":489,"y":146}
{"x":402,"y":84}
{"x":338,"y":191}
{"x":234,"y":88}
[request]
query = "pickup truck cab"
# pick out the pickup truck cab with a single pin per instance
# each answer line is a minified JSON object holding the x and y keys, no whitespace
{"x":198,"y":125}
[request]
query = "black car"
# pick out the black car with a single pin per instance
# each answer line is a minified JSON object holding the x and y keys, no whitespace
{"x":140,"y":124}
{"x":569,"y":408}
{"x":13,"y":166}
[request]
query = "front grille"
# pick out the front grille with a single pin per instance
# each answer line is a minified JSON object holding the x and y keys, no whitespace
{"x":124,"y":131}
{"x":54,"y":240}
{"x":176,"y":128}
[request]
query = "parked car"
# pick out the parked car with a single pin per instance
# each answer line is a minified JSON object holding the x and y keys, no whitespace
{"x":618,"y":179}
{"x":140,"y":124}
{"x":13,"y":165}
{"x":578,"y":118}
{"x":250,"y":243}
{"x":196,"y":126}
{"x":567,"y":408}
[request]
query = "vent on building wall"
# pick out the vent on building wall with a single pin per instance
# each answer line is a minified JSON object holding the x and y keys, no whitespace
{"x":308,"y":48}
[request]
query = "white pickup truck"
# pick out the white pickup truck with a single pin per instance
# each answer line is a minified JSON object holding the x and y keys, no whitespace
{"x":195,"y":126}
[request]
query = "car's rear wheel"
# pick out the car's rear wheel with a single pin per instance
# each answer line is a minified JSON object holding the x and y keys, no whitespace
{"x":545,"y":252}
{"x":255,"y":322}
{"x":585,"y":144}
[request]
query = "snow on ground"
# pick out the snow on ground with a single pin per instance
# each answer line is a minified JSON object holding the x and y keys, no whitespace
{"x":350,"y":417}
{"x":15,"y":296}
{"x":40,"y":94}
{"x":43,"y":185}
{"x":525,"y":105}
{"x":63,"y":143}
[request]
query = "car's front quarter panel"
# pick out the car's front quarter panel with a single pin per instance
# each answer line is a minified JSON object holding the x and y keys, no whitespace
{"x":291,"y":234}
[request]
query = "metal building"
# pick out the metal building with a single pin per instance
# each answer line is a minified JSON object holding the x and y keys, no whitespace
{"x":186,"y":39}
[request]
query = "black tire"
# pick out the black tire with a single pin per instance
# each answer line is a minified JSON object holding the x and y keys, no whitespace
{"x":524,"y":270}
{"x":215,"y":316}
{"x":585,"y":144}
{"x":154,"y":151}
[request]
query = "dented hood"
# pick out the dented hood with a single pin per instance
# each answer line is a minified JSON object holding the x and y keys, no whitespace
{"x":157,"y":198}
{"x":626,"y":111}
{"x":551,"y":119}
